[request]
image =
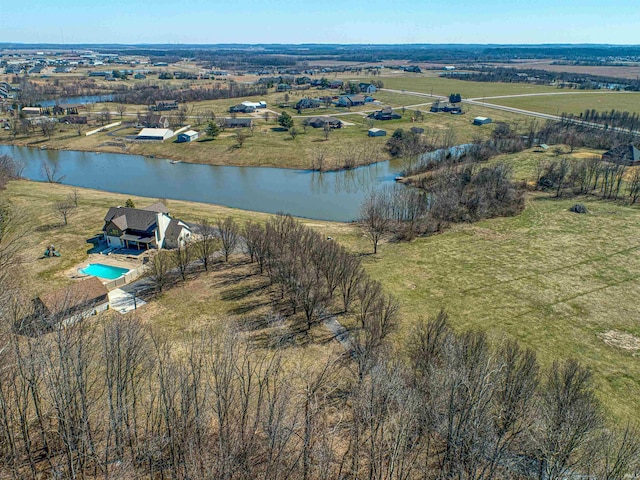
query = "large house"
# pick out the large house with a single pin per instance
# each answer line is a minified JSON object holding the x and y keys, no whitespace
{"x":144,"y":228}
{"x":321,"y":122}
{"x":623,"y":155}
{"x":386,"y":113}
{"x":351,"y":100}
{"x":236,"y":122}
{"x":162,"y":105}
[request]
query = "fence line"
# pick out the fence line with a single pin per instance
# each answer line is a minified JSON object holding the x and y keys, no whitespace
{"x":128,"y":277}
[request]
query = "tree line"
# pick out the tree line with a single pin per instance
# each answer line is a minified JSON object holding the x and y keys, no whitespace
{"x":589,"y":176}
{"x":146,"y":94}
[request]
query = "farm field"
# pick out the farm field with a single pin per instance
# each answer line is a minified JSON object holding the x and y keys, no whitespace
{"x":445,"y":86}
{"x":575,"y":103}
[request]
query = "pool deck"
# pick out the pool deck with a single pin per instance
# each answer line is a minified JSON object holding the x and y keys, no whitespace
{"x":115,"y":260}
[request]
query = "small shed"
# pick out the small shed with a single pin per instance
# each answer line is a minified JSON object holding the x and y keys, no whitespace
{"x":482,"y":120}
{"x":377,"y":132}
{"x":188,"y":136}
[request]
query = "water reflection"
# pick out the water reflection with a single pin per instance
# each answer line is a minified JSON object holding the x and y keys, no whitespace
{"x":325,"y":196}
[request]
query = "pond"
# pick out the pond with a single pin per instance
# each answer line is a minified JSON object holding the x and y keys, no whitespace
{"x":334,"y":196}
{"x":77,"y":100}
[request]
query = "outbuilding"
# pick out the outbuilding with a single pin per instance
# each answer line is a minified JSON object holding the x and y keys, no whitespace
{"x":188,"y":136}
{"x":482,"y":120}
{"x":377,"y":132}
{"x":159,"y":134}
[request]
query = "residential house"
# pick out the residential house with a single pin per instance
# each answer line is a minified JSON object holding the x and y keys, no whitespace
{"x":350,"y":100}
{"x":627,"y":155}
{"x":65,"y":109}
{"x":336,"y":84}
{"x":306,"y":103}
{"x":321,"y":122}
{"x":143,"y":228}
{"x":367,"y":88}
{"x":237,"y":122}
{"x":242,"y":108}
{"x":386,"y":113}
{"x":162,"y":105}
{"x":283,"y":87}
{"x":70,"y":304}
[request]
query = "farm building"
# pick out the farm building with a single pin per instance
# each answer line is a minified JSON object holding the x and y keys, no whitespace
{"x":377,"y":132}
{"x":159,"y":134}
{"x":31,"y":110}
{"x":481,"y":120}
{"x":188,"y":136}
{"x":623,"y":155}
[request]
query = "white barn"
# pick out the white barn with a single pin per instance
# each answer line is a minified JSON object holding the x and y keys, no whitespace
{"x":159,"y":134}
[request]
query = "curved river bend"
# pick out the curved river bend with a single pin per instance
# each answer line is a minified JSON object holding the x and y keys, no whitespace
{"x":334,"y":196}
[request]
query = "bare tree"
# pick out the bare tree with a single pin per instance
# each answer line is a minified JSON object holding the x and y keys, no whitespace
{"x":50,"y":172}
{"x":181,"y":258}
{"x":326,"y":131}
{"x":374,"y":217}
{"x":47,"y":127}
{"x":207,"y":244}
{"x":568,"y":417}
{"x":229,"y":234}
{"x":158,"y":271}
{"x":65,"y":208}
{"x":121,"y":109}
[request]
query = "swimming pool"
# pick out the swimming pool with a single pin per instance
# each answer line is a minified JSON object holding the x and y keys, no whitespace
{"x":104,"y":271}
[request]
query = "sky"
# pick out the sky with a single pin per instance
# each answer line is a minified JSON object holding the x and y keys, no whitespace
{"x":321,"y":21}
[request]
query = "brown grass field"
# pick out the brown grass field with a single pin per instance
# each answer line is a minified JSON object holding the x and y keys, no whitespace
{"x":561,"y":283}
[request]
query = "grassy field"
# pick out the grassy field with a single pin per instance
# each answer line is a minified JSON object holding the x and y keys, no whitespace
{"x":269,"y":145}
{"x":557,"y":281}
{"x":445,"y":86}
{"x":561,"y":283}
{"x":575,"y":103}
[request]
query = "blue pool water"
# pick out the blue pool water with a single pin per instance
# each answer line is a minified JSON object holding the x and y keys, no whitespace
{"x":104,"y":271}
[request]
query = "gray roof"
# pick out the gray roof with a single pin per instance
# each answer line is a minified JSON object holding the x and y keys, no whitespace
{"x":174,"y":228}
{"x":131,"y":218}
{"x":626,"y":152}
{"x":157,"y":207}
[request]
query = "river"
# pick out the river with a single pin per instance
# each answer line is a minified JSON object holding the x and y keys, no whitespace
{"x":334,"y":196}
